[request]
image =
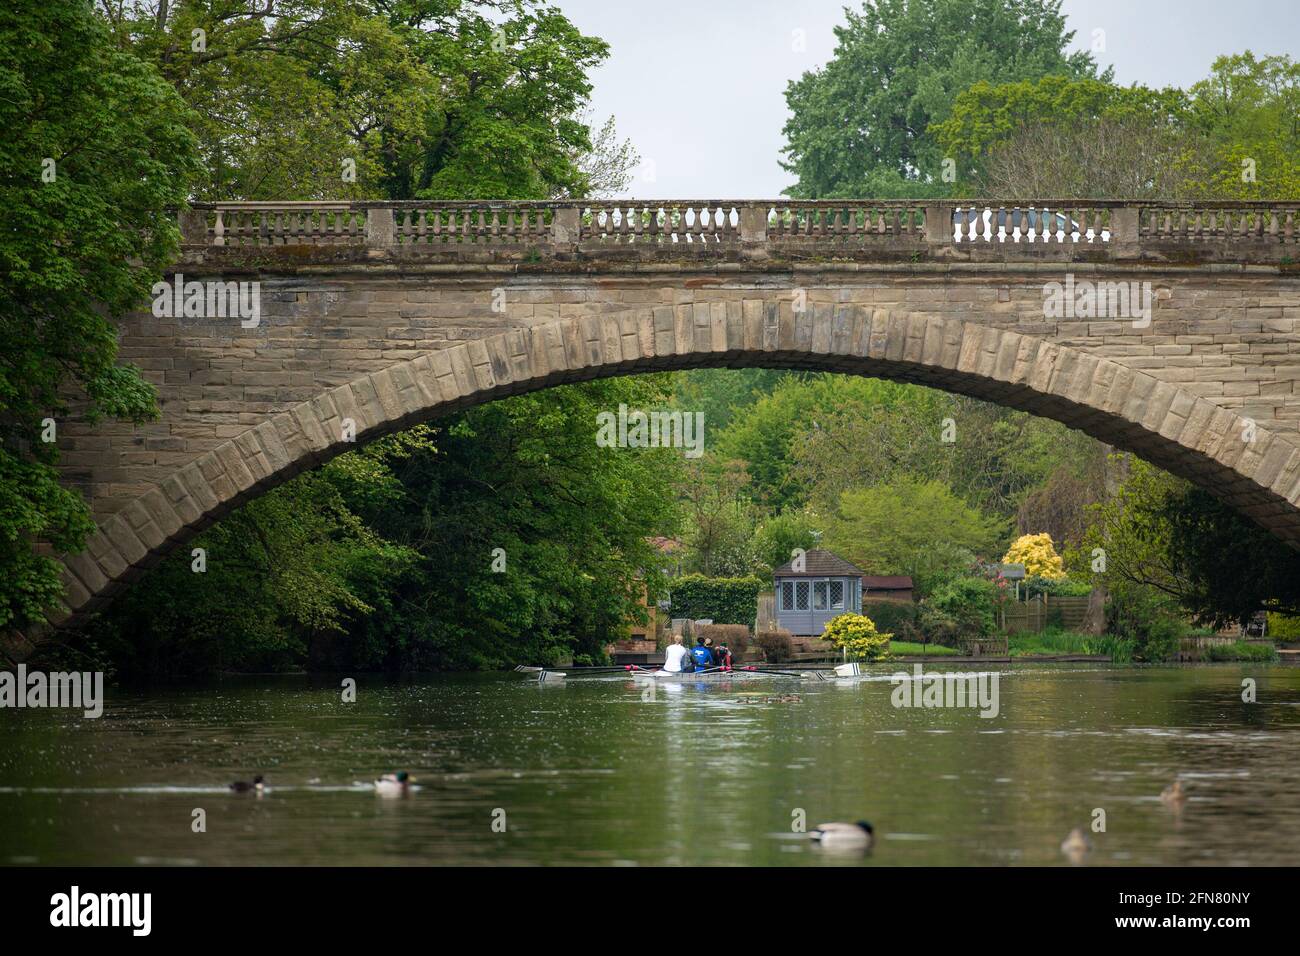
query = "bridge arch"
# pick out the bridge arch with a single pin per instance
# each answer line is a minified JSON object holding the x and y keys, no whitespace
{"x":1248,"y":467}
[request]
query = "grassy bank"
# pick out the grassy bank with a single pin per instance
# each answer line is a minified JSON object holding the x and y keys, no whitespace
{"x":1052,"y":642}
{"x":909,"y":649}
{"x":1236,"y":651}
{"x":1056,"y":642}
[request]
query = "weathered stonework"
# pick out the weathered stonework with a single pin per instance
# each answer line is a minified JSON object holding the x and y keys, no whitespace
{"x":377,"y":325}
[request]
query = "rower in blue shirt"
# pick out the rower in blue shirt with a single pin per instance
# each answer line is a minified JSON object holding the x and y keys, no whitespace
{"x":701,"y":655}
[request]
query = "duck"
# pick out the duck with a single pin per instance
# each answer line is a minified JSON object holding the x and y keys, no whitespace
{"x":1174,"y":795}
{"x":844,"y":836}
{"x":1076,"y":845}
{"x":393,"y":784}
{"x":243,"y":786}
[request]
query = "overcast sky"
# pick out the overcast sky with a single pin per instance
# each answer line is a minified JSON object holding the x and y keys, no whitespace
{"x":698,"y":85}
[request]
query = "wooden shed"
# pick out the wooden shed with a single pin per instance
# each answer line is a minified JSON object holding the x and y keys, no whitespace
{"x":812,"y":590}
{"x":886,"y":587}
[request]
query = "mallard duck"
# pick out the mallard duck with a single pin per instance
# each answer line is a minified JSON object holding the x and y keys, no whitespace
{"x":1076,"y":845}
{"x":243,"y":786}
{"x":1173,"y":795}
{"x":393,"y":784}
{"x":855,"y":836}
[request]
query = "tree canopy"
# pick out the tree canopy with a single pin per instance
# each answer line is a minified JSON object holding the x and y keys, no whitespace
{"x":860,"y":125}
{"x":95,"y":151}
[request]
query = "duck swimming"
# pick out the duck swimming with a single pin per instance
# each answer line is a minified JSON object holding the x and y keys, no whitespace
{"x":1174,"y":795}
{"x":844,"y":836}
{"x":243,"y":786}
{"x":1076,"y":845}
{"x":393,"y":784}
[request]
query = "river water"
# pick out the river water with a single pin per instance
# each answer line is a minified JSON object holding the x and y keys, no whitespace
{"x":603,"y":771}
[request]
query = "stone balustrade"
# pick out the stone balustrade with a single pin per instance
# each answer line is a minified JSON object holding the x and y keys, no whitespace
{"x":1090,"y":229}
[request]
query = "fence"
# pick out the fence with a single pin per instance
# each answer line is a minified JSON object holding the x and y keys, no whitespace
{"x":1034,"y":615}
{"x":1120,"y":229}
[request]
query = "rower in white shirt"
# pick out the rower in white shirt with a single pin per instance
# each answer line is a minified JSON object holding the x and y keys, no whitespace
{"x":674,"y":655}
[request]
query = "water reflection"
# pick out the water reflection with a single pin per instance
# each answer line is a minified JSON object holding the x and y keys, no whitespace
{"x":608,"y":770}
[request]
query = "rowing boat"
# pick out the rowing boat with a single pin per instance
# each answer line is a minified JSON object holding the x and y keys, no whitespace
{"x":711,"y":675}
{"x":714,"y":674}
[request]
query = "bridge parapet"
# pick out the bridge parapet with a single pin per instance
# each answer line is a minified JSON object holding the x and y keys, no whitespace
{"x":1091,"y":230}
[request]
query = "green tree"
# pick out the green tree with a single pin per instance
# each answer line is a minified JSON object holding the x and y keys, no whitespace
{"x":1160,"y":534}
{"x":766,"y":434}
{"x":384,"y":556}
{"x":376,"y":99}
{"x":718,"y":518}
{"x":776,"y":538}
{"x":1250,"y":108}
{"x":285,"y":574}
{"x":522,"y":480}
{"x":860,"y":125}
{"x":1233,"y":135}
{"x":722,"y":392}
{"x":987,"y":114}
{"x":917,"y":528}
{"x":95,"y":152}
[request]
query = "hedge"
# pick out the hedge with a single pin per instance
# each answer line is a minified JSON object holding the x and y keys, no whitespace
{"x":777,"y":646}
{"x":1033,"y":586}
{"x":892,"y":617}
{"x":725,"y":600}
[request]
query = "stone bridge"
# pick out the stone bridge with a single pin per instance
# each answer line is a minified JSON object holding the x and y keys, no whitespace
{"x":375,"y":316}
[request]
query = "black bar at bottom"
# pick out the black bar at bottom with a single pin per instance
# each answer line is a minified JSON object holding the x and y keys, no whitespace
{"x":407,"y":906}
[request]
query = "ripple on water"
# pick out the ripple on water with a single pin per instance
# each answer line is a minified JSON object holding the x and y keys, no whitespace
{"x":591,"y":773}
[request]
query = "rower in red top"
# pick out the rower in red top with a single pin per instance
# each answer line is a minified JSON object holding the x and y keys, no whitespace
{"x":722,"y":656}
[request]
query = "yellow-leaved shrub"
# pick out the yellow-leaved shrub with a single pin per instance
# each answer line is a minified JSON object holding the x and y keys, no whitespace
{"x":1037,"y":553}
{"x":857,"y":634}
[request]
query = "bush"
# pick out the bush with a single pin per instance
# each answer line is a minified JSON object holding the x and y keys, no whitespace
{"x":930,"y":625}
{"x":1283,"y":628}
{"x":723,"y":600}
{"x":896,"y":617}
{"x":1150,"y":622}
{"x":857,"y":635}
{"x":1037,"y":553}
{"x":1054,"y":587}
{"x":969,"y":606}
{"x":735,"y":636}
{"x":777,"y":645}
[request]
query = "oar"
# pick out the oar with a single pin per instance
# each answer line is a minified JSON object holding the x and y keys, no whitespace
{"x":585,"y":669}
{"x":801,"y":674}
{"x":707,"y":670}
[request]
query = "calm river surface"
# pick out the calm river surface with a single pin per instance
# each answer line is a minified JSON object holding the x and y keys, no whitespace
{"x":587,"y":772}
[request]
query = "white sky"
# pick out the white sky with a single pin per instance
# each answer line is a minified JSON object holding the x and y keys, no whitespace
{"x":698,"y":85}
